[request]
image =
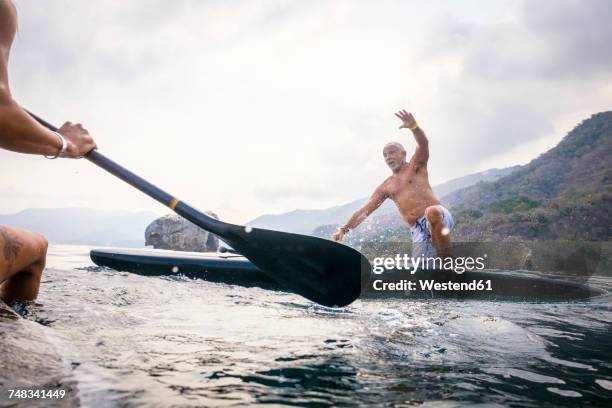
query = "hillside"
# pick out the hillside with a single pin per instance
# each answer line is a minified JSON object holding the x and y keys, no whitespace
{"x":564,"y":194}
{"x":308,"y":221}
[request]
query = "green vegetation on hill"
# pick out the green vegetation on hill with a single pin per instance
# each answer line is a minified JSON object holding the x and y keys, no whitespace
{"x":565,"y":193}
{"x":514,"y":204}
{"x":320,"y":222}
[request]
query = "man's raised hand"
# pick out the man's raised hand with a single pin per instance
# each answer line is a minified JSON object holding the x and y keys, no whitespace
{"x":407,"y":119}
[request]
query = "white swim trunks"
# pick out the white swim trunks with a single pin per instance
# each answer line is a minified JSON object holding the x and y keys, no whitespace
{"x":421,"y":237}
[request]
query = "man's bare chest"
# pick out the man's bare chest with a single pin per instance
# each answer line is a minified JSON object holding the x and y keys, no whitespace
{"x":405,"y":181}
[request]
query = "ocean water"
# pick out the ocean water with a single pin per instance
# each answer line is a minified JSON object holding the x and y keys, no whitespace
{"x":169,"y":341}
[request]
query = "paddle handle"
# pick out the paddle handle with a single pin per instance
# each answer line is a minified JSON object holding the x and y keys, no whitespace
{"x":179,"y":207}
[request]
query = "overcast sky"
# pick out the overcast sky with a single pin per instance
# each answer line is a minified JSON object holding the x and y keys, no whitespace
{"x":253,"y":107}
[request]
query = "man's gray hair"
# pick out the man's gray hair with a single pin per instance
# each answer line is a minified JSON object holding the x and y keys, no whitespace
{"x":396,"y":144}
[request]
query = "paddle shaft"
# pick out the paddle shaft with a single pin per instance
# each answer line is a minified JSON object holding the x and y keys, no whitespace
{"x":184,"y":210}
{"x":322,"y":271}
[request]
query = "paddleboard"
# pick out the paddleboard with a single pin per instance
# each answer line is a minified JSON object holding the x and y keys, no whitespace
{"x":234,"y":269}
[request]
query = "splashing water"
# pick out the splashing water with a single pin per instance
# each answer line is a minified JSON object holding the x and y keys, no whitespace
{"x":137,"y":340}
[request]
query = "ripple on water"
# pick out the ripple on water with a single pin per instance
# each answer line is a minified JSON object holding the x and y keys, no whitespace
{"x":140,"y":340}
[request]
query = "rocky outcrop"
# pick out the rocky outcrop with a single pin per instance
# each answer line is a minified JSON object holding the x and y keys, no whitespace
{"x":174,"y":232}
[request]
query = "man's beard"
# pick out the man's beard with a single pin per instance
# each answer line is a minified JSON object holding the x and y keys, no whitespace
{"x":394,"y":166}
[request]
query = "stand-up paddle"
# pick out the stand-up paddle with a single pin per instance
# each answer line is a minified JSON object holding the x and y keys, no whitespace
{"x":323,"y":271}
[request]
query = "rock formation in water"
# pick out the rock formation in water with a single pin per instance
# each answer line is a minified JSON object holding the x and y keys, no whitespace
{"x":174,"y":232}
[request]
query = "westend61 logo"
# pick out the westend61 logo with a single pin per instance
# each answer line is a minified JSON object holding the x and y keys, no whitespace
{"x":412,"y":264}
{"x":485,"y":270}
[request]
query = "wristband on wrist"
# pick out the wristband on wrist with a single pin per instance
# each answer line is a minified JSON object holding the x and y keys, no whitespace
{"x":62,"y":150}
{"x":344,"y":230}
{"x":413,"y":127}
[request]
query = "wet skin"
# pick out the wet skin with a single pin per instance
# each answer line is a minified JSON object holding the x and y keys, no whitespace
{"x":22,"y":261}
{"x":23,"y":253}
{"x":408,"y":186}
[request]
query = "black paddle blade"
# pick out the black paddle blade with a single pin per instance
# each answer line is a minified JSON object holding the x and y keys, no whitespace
{"x":323,"y":271}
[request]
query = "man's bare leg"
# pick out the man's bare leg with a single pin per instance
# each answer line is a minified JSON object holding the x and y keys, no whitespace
{"x":22,"y":260}
{"x":441,"y":241}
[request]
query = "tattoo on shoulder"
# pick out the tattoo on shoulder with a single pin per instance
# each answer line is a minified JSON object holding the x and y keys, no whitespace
{"x":11,"y":245}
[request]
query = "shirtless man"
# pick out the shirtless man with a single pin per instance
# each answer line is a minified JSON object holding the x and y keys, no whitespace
{"x":23,"y":253}
{"x":408,"y":186}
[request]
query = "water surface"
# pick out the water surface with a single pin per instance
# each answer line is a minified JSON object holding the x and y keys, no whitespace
{"x":161,"y":341}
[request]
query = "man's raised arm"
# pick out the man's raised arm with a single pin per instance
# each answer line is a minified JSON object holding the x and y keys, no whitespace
{"x":377,"y":198}
{"x":421,"y":153}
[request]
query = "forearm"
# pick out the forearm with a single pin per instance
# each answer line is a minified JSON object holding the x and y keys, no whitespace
{"x":420,"y":137}
{"x":20,"y":133}
{"x":356,"y":219}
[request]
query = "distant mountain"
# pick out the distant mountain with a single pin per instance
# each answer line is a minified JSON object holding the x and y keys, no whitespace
{"x":306,"y":221}
{"x":448,"y":187}
{"x":84,"y":226}
{"x":564,"y":194}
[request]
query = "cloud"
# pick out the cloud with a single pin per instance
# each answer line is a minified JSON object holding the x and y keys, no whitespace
{"x":573,"y":37}
{"x":277,"y":105}
{"x":298,"y":190}
{"x":555,"y":39}
{"x":503,"y":84}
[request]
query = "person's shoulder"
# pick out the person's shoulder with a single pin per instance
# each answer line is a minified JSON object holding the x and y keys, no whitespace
{"x":8,"y":16}
{"x":7,"y":8}
{"x":384,"y":186}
